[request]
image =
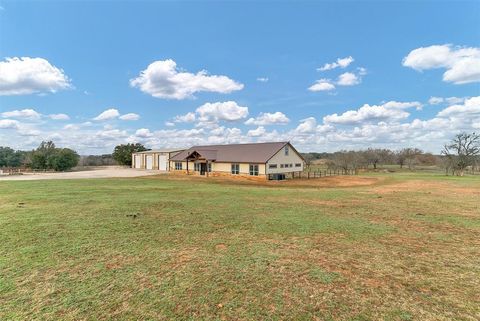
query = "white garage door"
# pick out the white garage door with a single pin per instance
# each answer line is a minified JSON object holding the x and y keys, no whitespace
{"x":149,"y":162}
{"x":138,"y":161}
{"x":162,"y":162}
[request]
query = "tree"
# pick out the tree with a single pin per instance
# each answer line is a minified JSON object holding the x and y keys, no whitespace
{"x":462,"y":152}
{"x":39,"y":157}
{"x":10,"y":157}
{"x":408,"y":156}
{"x":123,"y":153}
{"x":63,"y":159}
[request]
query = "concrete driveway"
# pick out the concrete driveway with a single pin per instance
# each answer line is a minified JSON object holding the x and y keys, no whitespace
{"x":97,"y":172}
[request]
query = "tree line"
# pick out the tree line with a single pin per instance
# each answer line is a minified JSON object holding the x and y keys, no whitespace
{"x":45,"y":157}
{"x":460,"y":154}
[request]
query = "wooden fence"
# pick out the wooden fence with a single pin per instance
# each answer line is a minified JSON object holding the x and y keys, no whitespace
{"x":324,"y":173}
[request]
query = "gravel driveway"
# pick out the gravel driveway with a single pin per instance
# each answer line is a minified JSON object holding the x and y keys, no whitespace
{"x":93,"y":173}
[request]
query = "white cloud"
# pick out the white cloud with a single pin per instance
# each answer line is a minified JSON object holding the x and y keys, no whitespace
{"x":59,"y":116}
{"x":108,"y":114}
{"x":322,"y":85}
{"x":462,"y":64}
{"x":162,"y":79}
{"x":435,"y":100}
{"x":143,"y":132}
{"x":307,"y":125}
{"x":348,"y":79}
{"x":227,"y":111}
{"x":8,"y":124}
{"x":130,"y":116}
{"x":187,"y":118}
{"x":260,"y":131}
{"x":341,"y":62}
{"x":268,"y":119}
{"x":262,"y":79}
{"x":24,"y":113}
{"x":391,"y":111}
{"x":169,"y":124}
{"x":25,"y":75}
{"x":470,"y":107}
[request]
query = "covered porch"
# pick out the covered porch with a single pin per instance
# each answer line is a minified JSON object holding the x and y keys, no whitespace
{"x":202,"y":161}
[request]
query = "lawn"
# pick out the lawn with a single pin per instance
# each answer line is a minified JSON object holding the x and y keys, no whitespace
{"x":403,"y":247}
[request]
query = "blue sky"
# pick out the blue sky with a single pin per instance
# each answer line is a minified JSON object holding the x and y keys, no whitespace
{"x":325,"y":75}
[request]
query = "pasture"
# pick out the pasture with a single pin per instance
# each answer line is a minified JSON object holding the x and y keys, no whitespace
{"x":401,"y":246}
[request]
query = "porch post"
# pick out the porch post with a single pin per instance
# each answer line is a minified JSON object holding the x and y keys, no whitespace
{"x":187,"y":167}
{"x":206,"y":169}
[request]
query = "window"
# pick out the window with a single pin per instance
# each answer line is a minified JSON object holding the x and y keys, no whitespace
{"x":196,"y":167}
{"x":178,"y":166}
{"x":298,"y":165}
{"x":290,"y":165}
{"x":209,"y":167}
{"x":272,"y":166}
{"x":254,"y":170}
{"x":235,"y":168}
{"x":282,"y":165}
{"x":286,"y":150}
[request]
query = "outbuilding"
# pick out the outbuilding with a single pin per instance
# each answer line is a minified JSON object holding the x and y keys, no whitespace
{"x":154,"y":159}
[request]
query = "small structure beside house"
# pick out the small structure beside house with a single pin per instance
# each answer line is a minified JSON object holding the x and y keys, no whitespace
{"x":154,"y":159}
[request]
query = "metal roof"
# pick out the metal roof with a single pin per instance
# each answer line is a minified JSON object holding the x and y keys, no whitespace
{"x":234,"y":153}
{"x":160,"y":151}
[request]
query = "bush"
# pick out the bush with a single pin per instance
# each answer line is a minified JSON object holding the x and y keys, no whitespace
{"x":63,"y":159}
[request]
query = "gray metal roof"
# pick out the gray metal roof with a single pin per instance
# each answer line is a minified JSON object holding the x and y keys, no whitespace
{"x":234,"y":153}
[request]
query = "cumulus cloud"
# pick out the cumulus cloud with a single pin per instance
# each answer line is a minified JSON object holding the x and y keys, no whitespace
{"x":25,"y":75}
{"x":391,"y":111}
{"x":260,"y":131}
{"x":462,"y":64}
{"x":162,"y":79}
{"x":268,"y":119}
{"x":130,"y":116}
{"x":227,"y":111}
{"x":470,"y":107}
{"x":187,"y":118}
{"x":307,"y":125}
{"x":322,"y":85}
{"x":59,"y":116}
{"x":340,"y":63}
{"x":108,"y":114}
{"x":348,"y":79}
{"x":143,"y":132}
{"x":9,"y":124}
{"x":24,"y":113}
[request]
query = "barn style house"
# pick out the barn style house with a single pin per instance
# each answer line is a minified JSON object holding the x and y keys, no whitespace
{"x":262,"y":160}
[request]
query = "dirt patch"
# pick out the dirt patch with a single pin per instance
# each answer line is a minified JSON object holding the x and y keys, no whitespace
{"x":437,"y":188}
{"x":221,"y":247}
{"x":323,"y":182}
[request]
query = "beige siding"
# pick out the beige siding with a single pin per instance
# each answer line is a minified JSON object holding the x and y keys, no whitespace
{"x":280,"y":158}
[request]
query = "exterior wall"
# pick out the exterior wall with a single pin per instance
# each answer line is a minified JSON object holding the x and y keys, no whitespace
{"x":155,"y":159}
{"x":280,"y":158}
{"x":220,"y":169}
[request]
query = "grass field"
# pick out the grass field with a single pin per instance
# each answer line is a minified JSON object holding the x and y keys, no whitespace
{"x":378,"y":247}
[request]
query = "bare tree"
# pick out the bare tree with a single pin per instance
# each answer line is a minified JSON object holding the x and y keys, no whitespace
{"x":462,"y":152}
{"x":408,"y":156}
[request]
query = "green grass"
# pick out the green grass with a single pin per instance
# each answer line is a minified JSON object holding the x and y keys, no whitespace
{"x":406,"y":248}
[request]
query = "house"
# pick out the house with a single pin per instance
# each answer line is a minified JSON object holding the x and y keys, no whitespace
{"x":263,"y":160}
{"x":154,"y":159}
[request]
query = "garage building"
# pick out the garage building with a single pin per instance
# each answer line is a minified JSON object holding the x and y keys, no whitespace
{"x":154,"y":159}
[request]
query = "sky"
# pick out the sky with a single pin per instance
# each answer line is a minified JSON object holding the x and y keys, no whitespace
{"x":325,"y":75}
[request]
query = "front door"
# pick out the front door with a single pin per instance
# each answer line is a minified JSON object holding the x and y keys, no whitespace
{"x":203,"y":168}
